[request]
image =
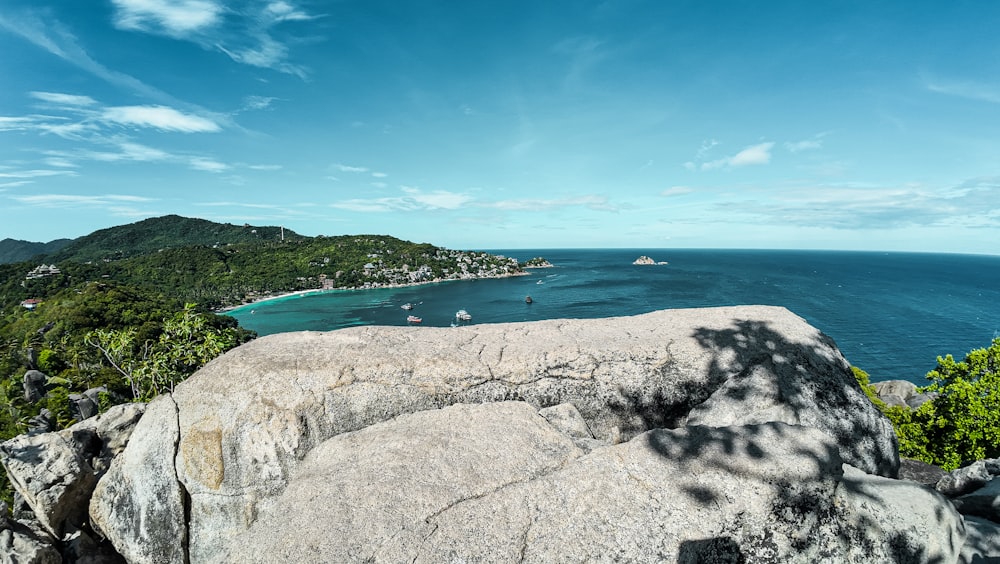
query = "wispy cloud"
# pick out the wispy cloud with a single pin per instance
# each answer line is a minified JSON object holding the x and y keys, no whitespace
{"x":247,"y":33}
{"x":176,"y":18}
{"x":379,"y":174}
{"x":73,"y":200}
{"x":412,"y":199}
{"x":968,"y":89}
{"x":257,"y":102}
{"x":753,"y":155}
{"x":37,"y":173}
{"x":347,"y":168}
{"x":207,"y":165}
{"x":64,"y":99}
{"x":973,"y":203}
{"x":159,"y":117}
{"x":589,"y":201}
{"x":676,"y":191}
{"x":52,"y":36}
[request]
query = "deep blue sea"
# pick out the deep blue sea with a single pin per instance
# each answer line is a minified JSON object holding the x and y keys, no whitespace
{"x":891,"y":314}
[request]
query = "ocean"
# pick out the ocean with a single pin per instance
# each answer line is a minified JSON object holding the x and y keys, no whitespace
{"x":891,"y":314}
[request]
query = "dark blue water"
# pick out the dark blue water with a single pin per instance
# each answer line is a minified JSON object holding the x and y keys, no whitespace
{"x":891,"y":314}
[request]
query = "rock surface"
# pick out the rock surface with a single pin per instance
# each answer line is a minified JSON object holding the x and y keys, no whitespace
{"x":492,"y":483}
{"x":253,"y":424}
{"x":969,"y":478}
{"x":982,"y":543}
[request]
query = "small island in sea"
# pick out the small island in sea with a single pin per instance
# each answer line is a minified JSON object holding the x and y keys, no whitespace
{"x":537,"y":262}
{"x":644,"y":260}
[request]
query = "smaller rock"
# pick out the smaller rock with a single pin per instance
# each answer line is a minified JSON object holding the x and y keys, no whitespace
{"x":568,"y":420}
{"x":920,"y":472}
{"x":893,"y":400}
{"x":920,"y":399}
{"x":41,"y":423}
{"x":982,"y":543}
{"x":25,"y":541}
{"x":79,"y":547}
{"x":969,"y":478}
{"x":34,"y":385}
{"x":984,"y":502}
{"x":901,"y":388}
{"x":81,"y":407}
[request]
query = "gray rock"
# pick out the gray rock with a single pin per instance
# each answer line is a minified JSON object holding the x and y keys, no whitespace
{"x":983,"y":502}
{"x":920,"y":472}
{"x":42,"y":423}
{"x":916,"y":401}
{"x":243,"y":430}
{"x":982,"y":543}
{"x":53,"y":474}
{"x":80,"y":548}
{"x":912,"y":522}
{"x":81,"y":407}
{"x":138,"y":504}
{"x":900,"y":388}
{"x":24,"y":542}
{"x":893,"y":400}
{"x":969,"y":478}
{"x":491,"y":483}
{"x":34,"y":385}
{"x":567,"y":419}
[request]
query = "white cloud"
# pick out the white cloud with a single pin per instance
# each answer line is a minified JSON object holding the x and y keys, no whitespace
{"x":379,"y":174}
{"x":8,"y":123}
{"x":283,"y":12}
{"x":265,"y":167}
{"x":258,"y":102}
{"x":159,"y":117}
{"x":38,"y":173}
{"x":594,"y":202}
{"x":173,"y":17}
{"x":6,"y":185}
{"x":379,"y":184}
{"x":346,"y":168}
{"x":74,"y":200}
{"x":806,"y":145}
{"x":964,"y":89}
{"x":207,"y":165}
{"x":676,"y":191}
{"x":413,"y":199}
{"x":64,"y":99}
{"x":439,"y":199}
{"x":752,"y":155}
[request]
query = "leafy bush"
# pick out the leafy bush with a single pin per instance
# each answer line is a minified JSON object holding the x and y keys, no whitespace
{"x":960,"y":425}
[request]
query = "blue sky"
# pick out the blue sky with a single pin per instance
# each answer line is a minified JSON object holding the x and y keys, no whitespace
{"x":820,"y":125}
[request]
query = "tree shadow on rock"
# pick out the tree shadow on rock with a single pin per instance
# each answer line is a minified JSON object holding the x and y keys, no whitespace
{"x":758,"y":377}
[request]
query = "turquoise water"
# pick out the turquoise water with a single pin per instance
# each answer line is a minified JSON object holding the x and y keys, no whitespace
{"x":890,"y":313}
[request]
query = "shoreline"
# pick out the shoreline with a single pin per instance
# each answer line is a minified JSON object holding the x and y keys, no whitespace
{"x":303,"y":293}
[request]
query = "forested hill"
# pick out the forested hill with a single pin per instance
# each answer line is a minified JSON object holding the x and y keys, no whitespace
{"x":167,"y":232}
{"x":217,"y":265}
{"x":16,"y":250}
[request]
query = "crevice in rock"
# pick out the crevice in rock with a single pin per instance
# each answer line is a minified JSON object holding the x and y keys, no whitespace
{"x":185,"y":495}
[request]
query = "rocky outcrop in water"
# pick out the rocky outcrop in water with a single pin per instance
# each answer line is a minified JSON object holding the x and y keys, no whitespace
{"x":733,"y":434}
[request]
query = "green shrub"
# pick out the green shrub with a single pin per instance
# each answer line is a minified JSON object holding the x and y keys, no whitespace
{"x":960,"y":425}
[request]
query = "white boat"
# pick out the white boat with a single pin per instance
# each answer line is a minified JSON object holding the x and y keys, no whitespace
{"x":407,"y":306}
{"x":462,"y":315}
{"x":413,"y":319}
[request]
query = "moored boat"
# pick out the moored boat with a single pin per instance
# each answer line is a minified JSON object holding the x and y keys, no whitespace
{"x":462,"y":315}
{"x":413,"y":319}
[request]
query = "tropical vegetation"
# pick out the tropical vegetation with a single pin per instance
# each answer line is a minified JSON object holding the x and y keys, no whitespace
{"x":961,"y":424}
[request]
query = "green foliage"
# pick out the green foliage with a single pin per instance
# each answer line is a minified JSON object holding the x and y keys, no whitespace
{"x":960,"y":425}
{"x":188,"y":341}
{"x":864,"y":381}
